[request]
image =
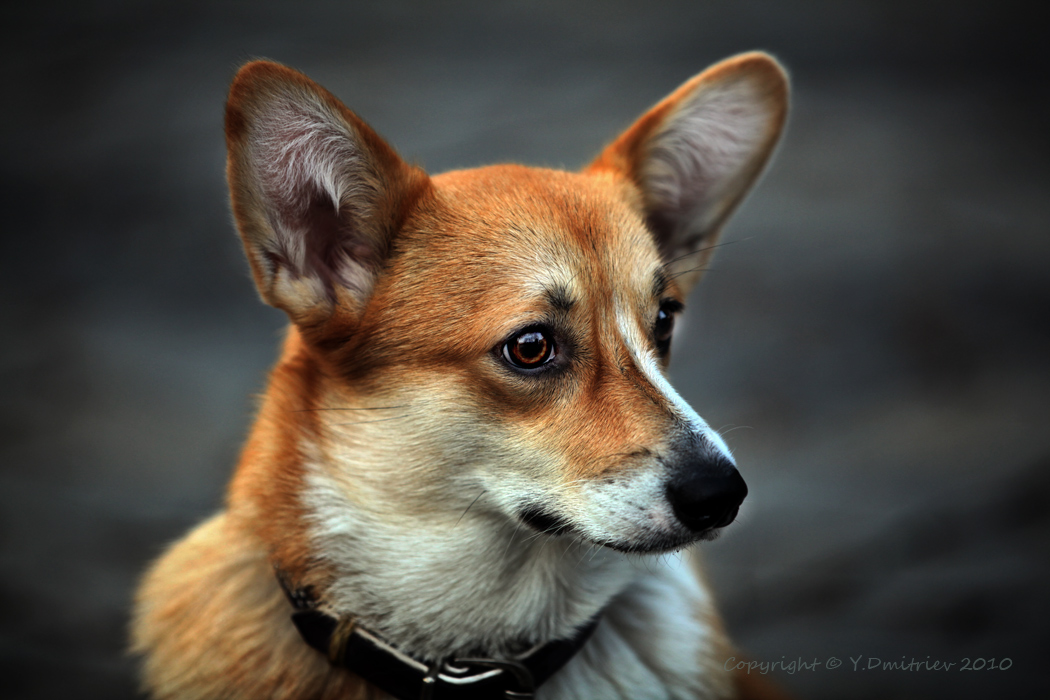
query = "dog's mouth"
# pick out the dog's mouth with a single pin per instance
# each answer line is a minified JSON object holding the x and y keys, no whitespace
{"x":545,"y":522}
{"x":662,"y":544}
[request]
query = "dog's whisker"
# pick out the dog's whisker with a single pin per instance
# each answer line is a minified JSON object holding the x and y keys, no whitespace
{"x":572,"y":545}
{"x":692,"y":269}
{"x":703,"y":250}
{"x":377,"y":420}
{"x":643,"y":452}
{"x":535,"y":536}
{"x":506,"y":549}
{"x":483,"y":492}
{"x":367,"y":408}
{"x":567,"y":487}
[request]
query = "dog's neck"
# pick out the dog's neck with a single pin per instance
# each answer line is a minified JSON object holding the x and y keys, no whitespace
{"x":480,"y":585}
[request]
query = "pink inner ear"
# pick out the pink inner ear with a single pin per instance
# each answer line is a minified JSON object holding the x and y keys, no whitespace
{"x":316,"y":188}
{"x":694,"y":162}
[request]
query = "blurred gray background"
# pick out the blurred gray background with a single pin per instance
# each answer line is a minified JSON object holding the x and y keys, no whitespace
{"x":875,"y":343}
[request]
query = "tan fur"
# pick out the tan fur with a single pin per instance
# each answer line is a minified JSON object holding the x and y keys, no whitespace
{"x":400,"y":295}
{"x":212,"y":617}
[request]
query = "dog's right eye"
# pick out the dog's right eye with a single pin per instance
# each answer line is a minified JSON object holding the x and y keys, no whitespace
{"x":530,"y":349}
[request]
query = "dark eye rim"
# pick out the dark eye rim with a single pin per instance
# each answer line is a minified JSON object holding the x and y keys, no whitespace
{"x":552,"y":352}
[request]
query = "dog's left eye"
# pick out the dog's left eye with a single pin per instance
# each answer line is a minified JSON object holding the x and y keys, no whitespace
{"x":529,"y":349}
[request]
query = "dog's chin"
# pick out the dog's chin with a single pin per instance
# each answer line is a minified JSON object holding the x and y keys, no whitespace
{"x":660,"y":544}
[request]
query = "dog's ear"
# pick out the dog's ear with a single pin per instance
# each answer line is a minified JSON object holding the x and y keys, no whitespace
{"x":317,"y":195}
{"x":696,"y":153}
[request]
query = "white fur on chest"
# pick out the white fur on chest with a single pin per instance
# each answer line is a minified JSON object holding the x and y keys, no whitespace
{"x":438,"y":588}
{"x":651,"y":643}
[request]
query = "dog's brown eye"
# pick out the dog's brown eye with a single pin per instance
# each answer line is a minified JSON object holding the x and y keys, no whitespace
{"x":529,"y":349}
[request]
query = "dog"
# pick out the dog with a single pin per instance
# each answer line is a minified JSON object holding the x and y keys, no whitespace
{"x":468,"y":464}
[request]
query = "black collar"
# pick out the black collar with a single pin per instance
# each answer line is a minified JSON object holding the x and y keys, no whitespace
{"x":352,"y":647}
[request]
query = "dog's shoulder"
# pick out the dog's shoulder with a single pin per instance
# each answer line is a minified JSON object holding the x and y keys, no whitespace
{"x":212,"y":618}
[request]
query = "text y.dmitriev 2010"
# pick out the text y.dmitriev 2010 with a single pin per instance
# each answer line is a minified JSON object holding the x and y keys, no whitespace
{"x":868,"y":663}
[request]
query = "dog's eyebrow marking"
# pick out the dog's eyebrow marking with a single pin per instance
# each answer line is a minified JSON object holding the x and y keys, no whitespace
{"x":559,"y":298}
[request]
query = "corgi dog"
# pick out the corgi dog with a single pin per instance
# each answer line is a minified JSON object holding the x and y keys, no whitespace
{"x":468,"y":466}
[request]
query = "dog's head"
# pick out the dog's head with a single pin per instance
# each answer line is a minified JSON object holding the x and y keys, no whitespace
{"x":501,"y":334}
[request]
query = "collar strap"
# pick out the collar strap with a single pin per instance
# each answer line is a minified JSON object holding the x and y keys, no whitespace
{"x":350,"y":646}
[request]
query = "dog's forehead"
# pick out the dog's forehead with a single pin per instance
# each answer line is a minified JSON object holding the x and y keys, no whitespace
{"x":541,"y":228}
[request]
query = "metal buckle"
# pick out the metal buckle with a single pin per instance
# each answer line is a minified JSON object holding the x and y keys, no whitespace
{"x":461,"y":675}
{"x":521,"y":674}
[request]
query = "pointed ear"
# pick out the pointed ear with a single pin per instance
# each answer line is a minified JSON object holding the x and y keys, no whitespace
{"x":317,"y":195}
{"x":696,"y":154}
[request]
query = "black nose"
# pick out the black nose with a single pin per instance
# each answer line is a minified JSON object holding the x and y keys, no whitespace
{"x":706,"y":493}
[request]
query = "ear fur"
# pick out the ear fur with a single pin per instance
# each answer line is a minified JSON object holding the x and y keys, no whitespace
{"x":696,"y":154}
{"x":316,"y":194}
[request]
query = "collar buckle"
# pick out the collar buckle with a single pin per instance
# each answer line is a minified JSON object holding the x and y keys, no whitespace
{"x":526,"y":683}
{"x":458,"y":673}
